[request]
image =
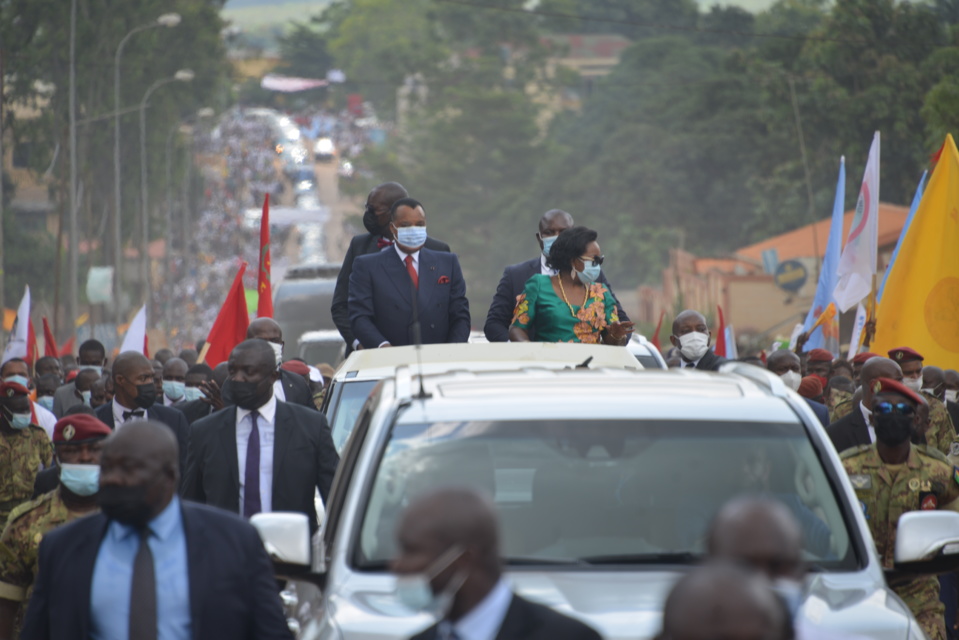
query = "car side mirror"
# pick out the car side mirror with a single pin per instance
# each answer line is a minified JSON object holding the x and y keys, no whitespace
{"x":927,"y":542}
{"x":286,"y":537}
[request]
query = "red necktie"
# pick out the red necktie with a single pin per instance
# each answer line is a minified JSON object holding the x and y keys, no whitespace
{"x":412,"y":271}
{"x":383,"y":242}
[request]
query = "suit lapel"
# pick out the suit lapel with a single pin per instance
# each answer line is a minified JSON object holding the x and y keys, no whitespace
{"x":282,"y":434}
{"x":428,"y":276}
{"x":196,"y":568}
{"x":862,"y":429}
{"x":227,"y":443}
{"x":532,"y":267}
{"x":396,"y":271}
{"x":86,"y":561}
{"x":516,"y":623}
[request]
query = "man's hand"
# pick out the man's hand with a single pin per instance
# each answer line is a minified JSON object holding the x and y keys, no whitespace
{"x":211,"y":393}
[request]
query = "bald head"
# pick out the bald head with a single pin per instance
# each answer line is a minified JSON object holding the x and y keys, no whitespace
{"x":689,"y":317}
{"x":781,"y":361}
{"x":379,"y":202}
{"x":760,"y":532}
{"x":878,"y":367}
{"x":392,"y":190}
{"x":555,"y":217}
{"x":721,"y":600}
{"x":265,"y":329}
{"x":129,"y":362}
{"x":144,"y":455}
{"x":175,"y":369}
{"x":932,"y":378}
{"x":255,"y":351}
{"x":146,"y":442}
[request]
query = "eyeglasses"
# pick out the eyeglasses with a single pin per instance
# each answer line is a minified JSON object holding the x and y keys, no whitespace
{"x":900,"y":408}
{"x":597,"y":260}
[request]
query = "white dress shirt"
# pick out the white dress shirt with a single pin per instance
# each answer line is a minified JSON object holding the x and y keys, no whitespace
{"x":544,"y":268}
{"x":278,"y":391}
{"x":45,"y":418}
{"x":688,"y":365}
{"x":485,"y":619}
{"x":265,"y":425}
{"x":867,"y":415}
{"x":402,"y":254}
{"x":118,"y":410}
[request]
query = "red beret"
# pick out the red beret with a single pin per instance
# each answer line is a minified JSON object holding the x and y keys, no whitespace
{"x":10,"y":389}
{"x":79,"y":427}
{"x":862,"y":357}
{"x":297,"y":367}
{"x":810,"y":387}
{"x":819,"y":355}
{"x":72,"y":375}
{"x":888,"y":384}
{"x":904,"y":354}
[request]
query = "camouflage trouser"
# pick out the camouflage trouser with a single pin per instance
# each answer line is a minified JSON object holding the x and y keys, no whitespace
{"x":922,"y":598}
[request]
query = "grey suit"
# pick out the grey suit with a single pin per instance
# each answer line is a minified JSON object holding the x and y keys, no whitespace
{"x":64,"y":398}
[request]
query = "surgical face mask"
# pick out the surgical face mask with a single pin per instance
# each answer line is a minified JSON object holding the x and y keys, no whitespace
{"x":46,"y":402}
{"x":86,"y":395}
{"x":792,"y":380}
{"x":929,"y":391}
{"x":25,"y":381}
{"x":547,"y":243}
{"x":92,"y":367}
{"x":892,"y":429}
{"x":590,"y":273}
{"x":915,"y":384}
{"x":411,"y":237}
{"x":173,"y":389}
{"x":192,"y":393}
{"x":791,"y":591}
{"x":415,"y":592}
{"x":694,"y":345}
{"x":952,"y":395}
{"x":81,"y":479}
{"x":18,"y":421}
{"x":278,"y":352}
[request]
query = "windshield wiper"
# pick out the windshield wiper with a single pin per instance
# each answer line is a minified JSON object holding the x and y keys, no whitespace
{"x":645,"y":558}
{"x":526,"y":561}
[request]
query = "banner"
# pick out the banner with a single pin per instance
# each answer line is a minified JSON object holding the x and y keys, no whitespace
{"x":857,"y":265}
{"x":827,"y":336}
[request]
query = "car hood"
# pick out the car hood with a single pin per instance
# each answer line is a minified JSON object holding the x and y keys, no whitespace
{"x":623,"y":604}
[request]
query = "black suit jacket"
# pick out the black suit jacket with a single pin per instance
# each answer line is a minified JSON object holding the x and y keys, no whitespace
{"x":821,"y":411}
{"x":381,"y":300}
{"x":849,"y":431}
{"x":169,"y":416}
{"x":527,"y":620}
{"x":296,"y":389}
{"x":710,"y":361}
{"x":360,"y":245}
{"x":500,"y":314}
{"x":194,"y":409}
{"x":233,"y":592}
{"x":953,"y":409}
{"x":303,"y":458}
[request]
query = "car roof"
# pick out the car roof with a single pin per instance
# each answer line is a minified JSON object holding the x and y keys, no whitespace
{"x":376,"y":364}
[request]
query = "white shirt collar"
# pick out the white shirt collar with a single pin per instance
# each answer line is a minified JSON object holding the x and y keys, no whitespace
{"x":119,"y":409}
{"x":485,"y":619}
{"x":544,"y":268}
{"x":267,"y":411}
{"x":402,"y":254}
{"x":867,"y":416}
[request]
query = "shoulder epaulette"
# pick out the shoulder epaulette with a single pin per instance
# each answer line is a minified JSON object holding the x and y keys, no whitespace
{"x":854,"y":451}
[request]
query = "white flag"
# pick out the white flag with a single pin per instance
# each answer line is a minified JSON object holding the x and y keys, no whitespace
{"x":857,"y":329}
{"x":857,"y":265}
{"x":17,"y":345}
{"x":135,"y":339}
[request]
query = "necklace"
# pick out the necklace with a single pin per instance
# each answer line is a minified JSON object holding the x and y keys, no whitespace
{"x":566,"y":300}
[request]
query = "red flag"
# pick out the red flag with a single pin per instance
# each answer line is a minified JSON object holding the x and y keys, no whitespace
{"x":67,"y":348}
{"x":32,"y":353}
{"x":49,"y":343}
{"x":659,"y":325}
{"x":229,"y":328}
{"x":720,"y":347}
{"x":264,"y":305}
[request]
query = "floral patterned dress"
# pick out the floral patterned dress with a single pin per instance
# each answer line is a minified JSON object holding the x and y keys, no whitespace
{"x":540,"y":309}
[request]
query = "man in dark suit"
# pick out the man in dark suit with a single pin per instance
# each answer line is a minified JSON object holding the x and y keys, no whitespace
{"x":150,"y":565}
{"x":450,"y":538}
{"x":260,"y":455}
{"x":382,"y":308}
{"x":376,"y":219}
{"x":856,"y":428}
{"x":692,"y":337}
{"x":135,"y":398}
{"x":289,"y":387}
{"x":511,"y":285}
{"x":195,"y":405}
{"x":92,"y":355}
{"x":787,"y":365}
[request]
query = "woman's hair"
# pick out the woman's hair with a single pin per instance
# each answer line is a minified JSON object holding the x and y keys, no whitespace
{"x":569,"y":245}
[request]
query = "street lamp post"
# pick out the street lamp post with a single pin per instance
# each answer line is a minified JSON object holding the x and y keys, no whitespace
{"x":166,"y":20}
{"x":183,"y":75}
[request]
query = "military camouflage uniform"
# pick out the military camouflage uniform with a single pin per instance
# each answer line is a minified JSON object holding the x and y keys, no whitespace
{"x":925,"y":481}
{"x":22,"y":454}
{"x":842,"y":405}
{"x":941,"y":433}
{"x":19,"y":544}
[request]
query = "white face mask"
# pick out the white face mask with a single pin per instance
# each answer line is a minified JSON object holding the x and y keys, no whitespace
{"x":914,"y":384}
{"x":278,"y":351}
{"x":694,"y":345}
{"x":415,"y":592}
{"x":952,"y":394}
{"x":792,"y":380}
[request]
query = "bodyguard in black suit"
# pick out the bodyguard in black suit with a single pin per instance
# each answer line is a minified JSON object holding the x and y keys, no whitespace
{"x":292,"y":452}
{"x":852,"y":430}
{"x":452,"y":535}
{"x":289,"y":387}
{"x":135,"y":398}
{"x":206,"y":571}
{"x":382,"y":288}
{"x":692,"y":337}
{"x":511,"y":285}
{"x":376,"y":219}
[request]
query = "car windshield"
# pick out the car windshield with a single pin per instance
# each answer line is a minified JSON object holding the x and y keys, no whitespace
{"x":327,"y":351}
{"x":594,"y":492}
{"x":345,"y":405}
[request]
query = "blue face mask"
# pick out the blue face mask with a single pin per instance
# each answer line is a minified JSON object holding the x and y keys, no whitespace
{"x":547,"y":243}
{"x":46,"y":402}
{"x":173,"y":390}
{"x":192,"y":393}
{"x":590,"y":273}
{"x":92,"y":367}
{"x":25,"y":381}
{"x":411,"y":237}
{"x":85,"y":396}
{"x":19,"y":421}
{"x":81,"y":479}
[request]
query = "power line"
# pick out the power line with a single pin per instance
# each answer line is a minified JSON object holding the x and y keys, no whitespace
{"x":647,"y":25}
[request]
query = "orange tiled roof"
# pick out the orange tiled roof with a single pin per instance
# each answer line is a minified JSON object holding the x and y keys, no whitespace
{"x":799,"y":242}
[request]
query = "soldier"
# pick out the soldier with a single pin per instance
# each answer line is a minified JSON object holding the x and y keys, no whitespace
{"x":77,"y":440}
{"x":858,"y":361}
{"x":941,"y":433}
{"x":839,"y":394}
{"x":894,"y":476}
{"x":24,"y":448}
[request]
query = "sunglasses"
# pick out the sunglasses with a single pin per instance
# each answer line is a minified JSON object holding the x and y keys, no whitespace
{"x":900,"y":408}
{"x":597,"y":260}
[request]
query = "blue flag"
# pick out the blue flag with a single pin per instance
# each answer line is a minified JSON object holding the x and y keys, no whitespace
{"x":826,"y":336}
{"x":916,"y":199}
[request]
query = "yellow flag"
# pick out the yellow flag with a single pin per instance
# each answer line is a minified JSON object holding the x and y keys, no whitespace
{"x":920,"y":302}
{"x":825,"y":316}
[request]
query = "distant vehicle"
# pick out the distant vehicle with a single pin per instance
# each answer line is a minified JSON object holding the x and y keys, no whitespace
{"x":324,"y":150}
{"x":646,"y":352}
{"x":322,"y":346}
{"x":345,"y":170}
{"x":303,"y":181}
{"x":301,"y":302}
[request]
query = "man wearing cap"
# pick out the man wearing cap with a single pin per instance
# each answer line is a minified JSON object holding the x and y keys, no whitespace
{"x":894,"y":476}
{"x":818,"y":363}
{"x":24,"y":448}
{"x":941,"y":432}
{"x":77,"y":440}
{"x":858,"y":427}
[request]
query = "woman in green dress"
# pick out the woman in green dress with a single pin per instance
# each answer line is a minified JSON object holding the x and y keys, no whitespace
{"x":570,"y":306}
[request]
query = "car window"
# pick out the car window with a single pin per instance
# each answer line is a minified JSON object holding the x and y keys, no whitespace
{"x":595,"y":491}
{"x":322,"y":351}
{"x":345,"y":407}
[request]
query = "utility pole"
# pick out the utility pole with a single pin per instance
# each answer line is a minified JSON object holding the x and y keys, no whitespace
{"x":74,"y":241}
{"x":2,"y":166}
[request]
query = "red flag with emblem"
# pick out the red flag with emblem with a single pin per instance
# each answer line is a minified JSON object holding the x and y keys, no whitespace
{"x":229,"y":328}
{"x":264,"y":305}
